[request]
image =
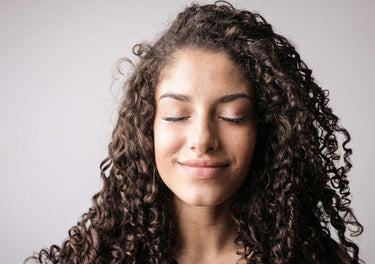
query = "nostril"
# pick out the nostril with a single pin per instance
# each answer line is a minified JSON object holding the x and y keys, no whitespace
{"x":204,"y":144}
{"x":203,"y":136}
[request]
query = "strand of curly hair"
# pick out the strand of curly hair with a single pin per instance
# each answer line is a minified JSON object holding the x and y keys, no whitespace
{"x":296,"y":192}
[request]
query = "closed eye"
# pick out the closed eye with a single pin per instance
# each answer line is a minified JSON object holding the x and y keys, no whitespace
{"x":174,"y":119}
{"x":237,"y":121}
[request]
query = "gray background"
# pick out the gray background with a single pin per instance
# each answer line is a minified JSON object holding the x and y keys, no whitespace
{"x":58,"y":103}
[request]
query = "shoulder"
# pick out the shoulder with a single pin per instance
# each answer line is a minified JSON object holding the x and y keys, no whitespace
{"x":343,"y":255}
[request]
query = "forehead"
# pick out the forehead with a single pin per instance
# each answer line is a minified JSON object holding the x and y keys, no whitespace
{"x":197,"y":69}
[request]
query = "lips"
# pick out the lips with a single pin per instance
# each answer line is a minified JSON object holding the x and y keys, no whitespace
{"x":203,"y":169}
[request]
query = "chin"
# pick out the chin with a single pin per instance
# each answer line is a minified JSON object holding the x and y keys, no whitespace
{"x":202,"y":199}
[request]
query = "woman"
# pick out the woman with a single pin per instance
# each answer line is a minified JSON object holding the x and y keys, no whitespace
{"x":225,"y":151}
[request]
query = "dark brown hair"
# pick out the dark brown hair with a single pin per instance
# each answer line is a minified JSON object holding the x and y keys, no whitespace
{"x":296,"y":192}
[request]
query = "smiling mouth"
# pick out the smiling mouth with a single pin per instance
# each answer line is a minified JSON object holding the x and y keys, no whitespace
{"x":203,"y":169}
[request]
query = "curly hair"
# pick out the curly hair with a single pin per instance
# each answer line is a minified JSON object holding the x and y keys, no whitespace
{"x":296,"y":192}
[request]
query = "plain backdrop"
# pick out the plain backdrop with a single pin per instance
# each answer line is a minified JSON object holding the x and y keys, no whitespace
{"x":58,"y":103}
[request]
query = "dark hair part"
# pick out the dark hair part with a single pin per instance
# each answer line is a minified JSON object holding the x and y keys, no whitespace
{"x":296,"y":191}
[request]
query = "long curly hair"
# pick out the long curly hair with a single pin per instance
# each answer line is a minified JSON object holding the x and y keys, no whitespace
{"x":296,"y":192}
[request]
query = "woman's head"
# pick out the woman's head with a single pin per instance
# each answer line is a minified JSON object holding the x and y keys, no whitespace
{"x":291,"y":177}
{"x":212,"y":29}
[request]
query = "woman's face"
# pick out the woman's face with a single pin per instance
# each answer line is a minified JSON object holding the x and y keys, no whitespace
{"x":204,"y":129}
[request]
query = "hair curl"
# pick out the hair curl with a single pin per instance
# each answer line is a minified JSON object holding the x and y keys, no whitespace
{"x":297,"y":189}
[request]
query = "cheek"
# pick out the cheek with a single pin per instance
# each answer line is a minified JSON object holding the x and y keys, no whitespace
{"x":241,"y":144}
{"x":240,"y":140}
{"x":245,"y":143}
{"x":167,"y":141}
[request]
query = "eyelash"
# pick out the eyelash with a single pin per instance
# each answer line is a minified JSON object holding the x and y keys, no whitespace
{"x":174,"y":119}
{"x":236,"y":121}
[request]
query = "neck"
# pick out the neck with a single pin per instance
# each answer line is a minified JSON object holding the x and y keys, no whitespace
{"x":205,"y":232}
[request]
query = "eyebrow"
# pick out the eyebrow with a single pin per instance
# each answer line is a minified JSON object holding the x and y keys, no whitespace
{"x":223,"y":99}
{"x":232,"y":97}
{"x":178,"y":97}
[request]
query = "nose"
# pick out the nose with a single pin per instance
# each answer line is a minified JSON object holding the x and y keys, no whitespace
{"x":203,"y":136}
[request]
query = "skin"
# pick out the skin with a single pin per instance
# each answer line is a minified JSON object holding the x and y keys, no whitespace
{"x":204,"y":137}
